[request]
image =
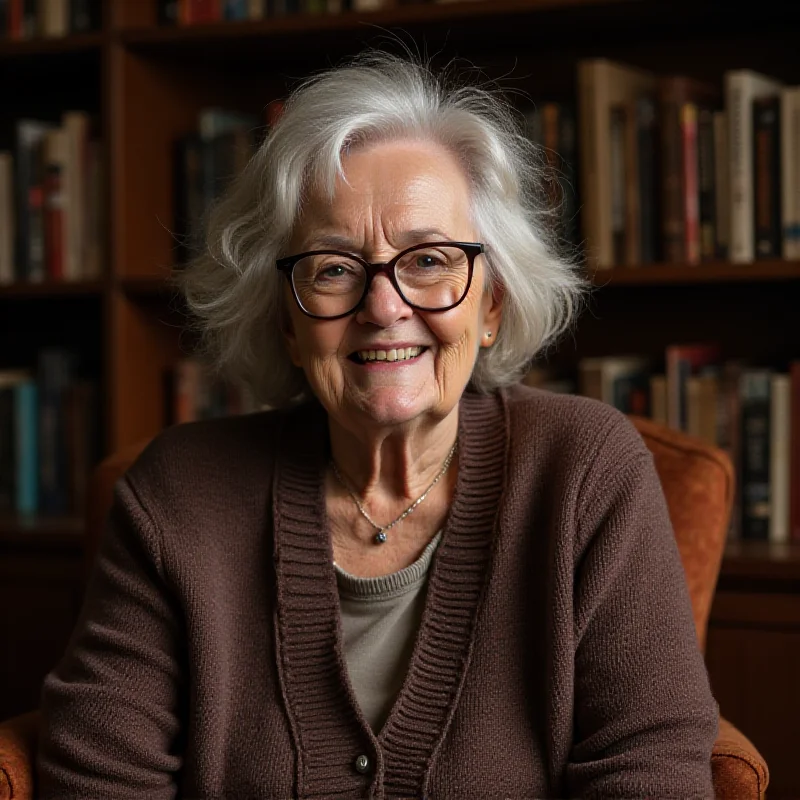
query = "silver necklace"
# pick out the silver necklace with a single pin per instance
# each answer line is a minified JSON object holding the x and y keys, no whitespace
{"x":380,"y":536}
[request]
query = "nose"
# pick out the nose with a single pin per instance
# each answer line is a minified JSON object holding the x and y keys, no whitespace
{"x":383,"y":305}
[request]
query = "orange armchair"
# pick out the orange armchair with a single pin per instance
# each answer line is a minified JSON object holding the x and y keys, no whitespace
{"x":698,"y":482}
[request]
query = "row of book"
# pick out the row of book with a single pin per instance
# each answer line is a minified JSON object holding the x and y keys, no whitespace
{"x":751,"y":412}
{"x":205,"y":161}
{"x":677,"y":170}
{"x":197,"y":12}
{"x":49,"y":432}
{"x":52,"y":209}
{"x":553,"y":127}
{"x":30,"y":19}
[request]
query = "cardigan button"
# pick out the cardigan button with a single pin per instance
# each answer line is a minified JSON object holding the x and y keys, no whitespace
{"x":362,"y":764}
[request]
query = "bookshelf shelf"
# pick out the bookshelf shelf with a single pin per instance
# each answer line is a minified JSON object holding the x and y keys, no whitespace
{"x":712,"y":272}
{"x":767,"y":560}
{"x":41,"y":531}
{"x":52,"y":289}
{"x":35,"y":47}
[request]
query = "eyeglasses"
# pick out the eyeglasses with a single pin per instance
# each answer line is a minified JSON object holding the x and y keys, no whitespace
{"x":328,"y":284}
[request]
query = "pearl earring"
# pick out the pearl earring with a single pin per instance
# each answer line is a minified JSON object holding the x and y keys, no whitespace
{"x":488,"y":334}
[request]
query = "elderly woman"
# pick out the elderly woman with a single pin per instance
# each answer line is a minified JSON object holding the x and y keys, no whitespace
{"x":411,"y":578}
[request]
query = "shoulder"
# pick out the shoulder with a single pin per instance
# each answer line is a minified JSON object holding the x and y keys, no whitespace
{"x":185,"y":465}
{"x":575,"y":426}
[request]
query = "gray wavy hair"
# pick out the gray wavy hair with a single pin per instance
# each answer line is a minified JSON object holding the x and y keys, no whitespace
{"x":236,"y":295}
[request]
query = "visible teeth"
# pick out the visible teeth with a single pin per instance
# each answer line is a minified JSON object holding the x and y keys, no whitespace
{"x":400,"y":354}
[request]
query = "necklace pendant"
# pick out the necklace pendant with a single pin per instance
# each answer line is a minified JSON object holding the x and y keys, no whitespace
{"x":380,"y":537}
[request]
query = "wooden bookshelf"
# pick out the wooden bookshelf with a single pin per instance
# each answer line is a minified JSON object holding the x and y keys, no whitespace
{"x":147,"y":84}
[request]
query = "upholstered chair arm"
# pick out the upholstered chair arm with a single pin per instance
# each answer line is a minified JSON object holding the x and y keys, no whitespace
{"x":18,"y":738}
{"x":738,"y":768}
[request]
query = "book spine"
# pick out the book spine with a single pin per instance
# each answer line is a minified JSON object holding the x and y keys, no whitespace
{"x":707,"y":179}
{"x":7,"y":461}
{"x":755,"y":399}
{"x":672,"y":219}
{"x":600,"y":254}
{"x":54,"y":222}
{"x":780,"y":409}
{"x":795,"y":177}
{"x":790,"y":144}
{"x":84,"y":16}
{"x":722,"y":184}
{"x":691,"y":211}
{"x":55,"y":375}
{"x":7,"y":221}
{"x":256,"y":9}
{"x":168,"y":12}
{"x":617,"y":126}
{"x":794,"y":458}
{"x":235,"y":10}
{"x":738,"y":103}
{"x":35,"y":207}
{"x":633,"y":241}
{"x":26,"y":446}
{"x":766,"y":178}
{"x":648,"y":190}
{"x":15,"y":14}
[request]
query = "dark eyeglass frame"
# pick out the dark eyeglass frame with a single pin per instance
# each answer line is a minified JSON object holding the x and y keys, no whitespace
{"x":470,"y":249}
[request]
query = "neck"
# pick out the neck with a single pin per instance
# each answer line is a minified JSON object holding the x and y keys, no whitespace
{"x":395,"y":464}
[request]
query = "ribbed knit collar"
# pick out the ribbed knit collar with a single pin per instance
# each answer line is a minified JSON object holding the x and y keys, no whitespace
{"x":327,"y":725}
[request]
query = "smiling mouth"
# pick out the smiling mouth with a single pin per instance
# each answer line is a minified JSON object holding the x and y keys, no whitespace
{"x":399,"y":354}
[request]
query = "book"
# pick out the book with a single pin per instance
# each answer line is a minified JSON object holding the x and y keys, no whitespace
{"x":7,"y":218}
{"x":794,"y":454}
{"x":54,"y":18}
{"x":26,"y":445}
{"x":55,"y":211}
{"x":620,"y":381}
{"x":722,"y":200}
{"x":790,"y":171}
{"x":647,"y":170}
{"x":706,"y":176}
{"x":767,"y":178}
{"x":602,"y":86}
{"x":780,"y":423}
{"x":756,"y":389}
{"x":742,"y":87}
{"x":691,"y":184}
{"x":683,"y":361}
{"x":680,"y":99}
{"x":29,"y":249}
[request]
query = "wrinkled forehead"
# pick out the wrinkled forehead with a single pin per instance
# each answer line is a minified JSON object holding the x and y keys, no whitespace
{"x":400,"y":187}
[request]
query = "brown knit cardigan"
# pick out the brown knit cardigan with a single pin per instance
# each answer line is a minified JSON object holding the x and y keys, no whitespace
{"x":556,"y":657}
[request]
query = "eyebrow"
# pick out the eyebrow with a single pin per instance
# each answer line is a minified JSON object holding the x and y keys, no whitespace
{"x":406,"y":239}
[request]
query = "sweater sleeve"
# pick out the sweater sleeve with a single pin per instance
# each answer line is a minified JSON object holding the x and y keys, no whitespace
{"x":110,"y":709}
{"x":645,"y":720}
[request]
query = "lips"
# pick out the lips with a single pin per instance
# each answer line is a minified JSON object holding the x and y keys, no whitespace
{"x":395,"y":354}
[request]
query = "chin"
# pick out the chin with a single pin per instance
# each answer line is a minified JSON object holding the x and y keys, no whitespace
{"x":391,"y":407}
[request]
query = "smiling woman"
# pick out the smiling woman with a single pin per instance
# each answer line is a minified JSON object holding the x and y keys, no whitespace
{"x":411,"y":573}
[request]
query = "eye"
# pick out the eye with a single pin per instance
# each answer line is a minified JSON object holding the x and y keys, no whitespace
{"x":426,"y":261}
{"x":332,"y":271}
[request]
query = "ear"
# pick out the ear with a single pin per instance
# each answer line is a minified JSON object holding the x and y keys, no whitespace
{"x":492,"y":307}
